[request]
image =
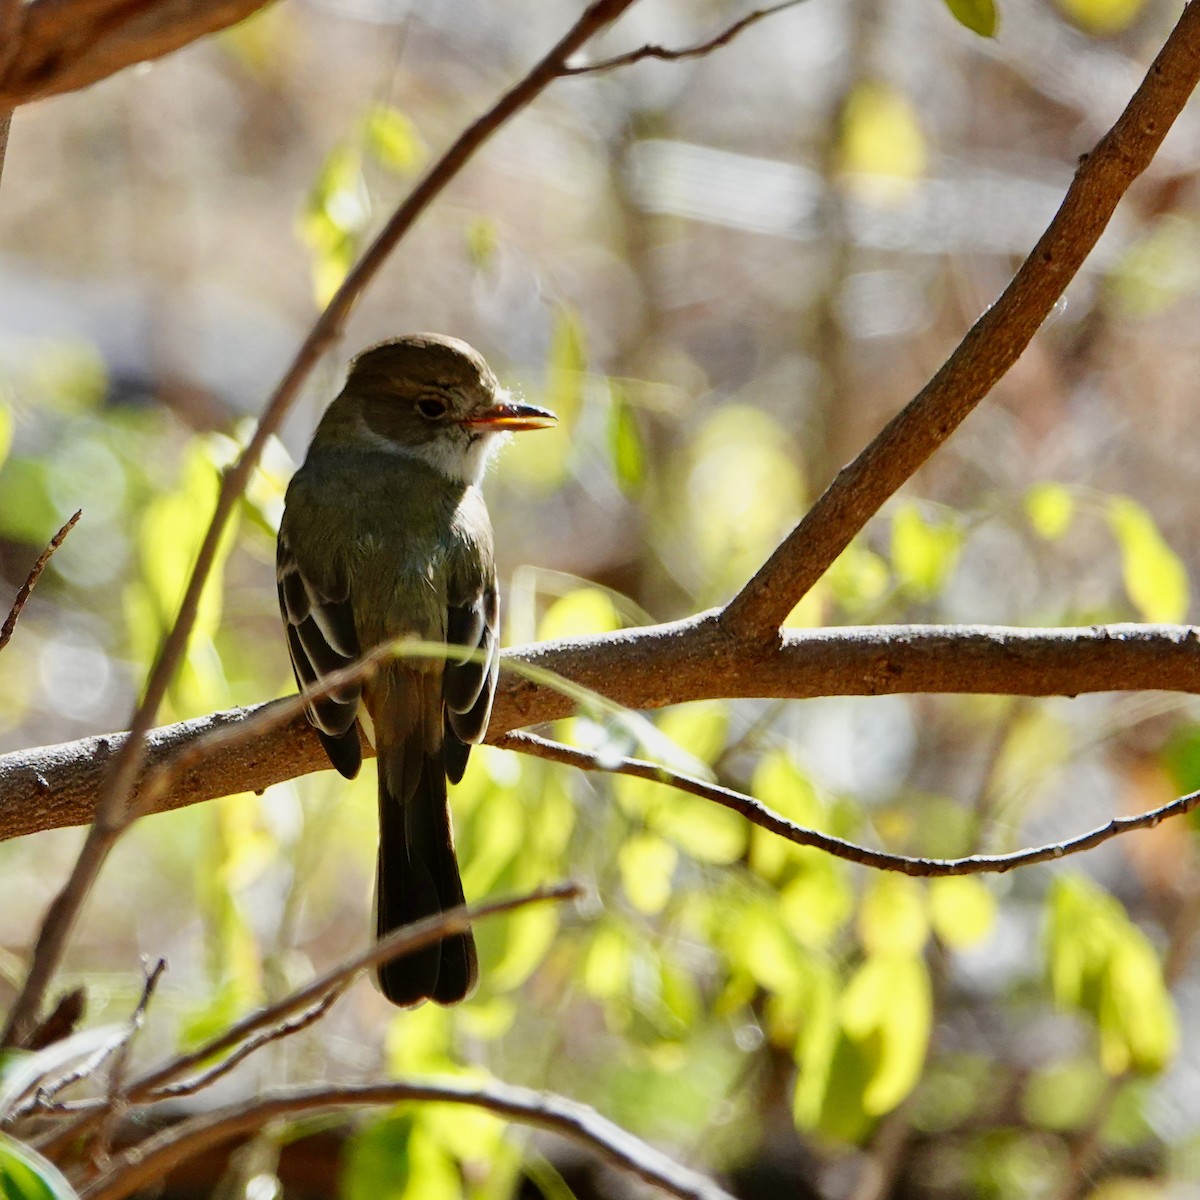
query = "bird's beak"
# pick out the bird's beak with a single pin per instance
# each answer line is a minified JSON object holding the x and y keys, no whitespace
{"x":511,"y":416}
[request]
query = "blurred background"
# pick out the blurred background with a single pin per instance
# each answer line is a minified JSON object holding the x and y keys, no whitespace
{"x":725,"y":274}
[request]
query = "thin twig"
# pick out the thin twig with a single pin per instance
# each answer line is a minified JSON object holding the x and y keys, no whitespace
{"x":60,"y":917}
{"x":152,"y":1085}
{"x":152,"y":1159}
{"x":759,"y":814}
{"x":665,"y":54}
{"x":116,"y":1105}
{"x":991,"y":347}
{"x":14,"y":613}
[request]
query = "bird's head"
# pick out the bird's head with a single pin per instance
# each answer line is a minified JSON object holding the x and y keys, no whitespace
{"x":431,"y":398}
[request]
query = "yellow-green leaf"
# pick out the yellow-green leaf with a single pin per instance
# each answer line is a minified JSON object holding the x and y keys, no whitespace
{"x":893,"y":918}
{"x":881,"y":138}
{"x":647,"y":863}
{"x":582,"y":611}
{"x":26,"y":1175}
{"x":924,"y":552}
{"x":887,"y":1009}
{"x":1102,"y":17}
{"x":1050,"y":508}
{"x":962,"y":910}
{"x":625,"y":445}
{"x":979,"y":16}
{"x":1155,"y":578}
{"x":6,"y":427}
{"x":393,"y":140}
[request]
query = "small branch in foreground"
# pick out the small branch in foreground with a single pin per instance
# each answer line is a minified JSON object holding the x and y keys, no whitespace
{"x":276,"y":1020}
{"x":152,"y":1159}
{"x":989,"y":349}
{"x":14,"y":613}
{"x":760,"y":815}
{"x":667,"y":55}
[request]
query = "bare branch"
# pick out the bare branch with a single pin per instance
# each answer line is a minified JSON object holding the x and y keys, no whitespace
{"x":274,"y":1021}
{"x":759,"y":814}
{"x":126,"y":764}
{"x":150,"y":1160}
{"x":57,"y":46}
{"x":55,"y":786}
{"x":698,"y":51}
{"x":14,"y":613}
{"x":994,"y":343}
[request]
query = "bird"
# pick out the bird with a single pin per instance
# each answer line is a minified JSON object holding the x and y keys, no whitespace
{"x":384,"y":536}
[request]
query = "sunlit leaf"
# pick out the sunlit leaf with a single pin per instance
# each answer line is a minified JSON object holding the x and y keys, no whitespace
{"x":1102,"y":17}
{"x":6,"y":428}
{"x":1155,"y":578}
{"x":705,"y":831}
{"x":887,"y":1009}
{"x":482,"y":238}
{"x":893,"y":919}
{"x":924,"y":552}
{"x":392,"y":140}
{"x":394,"y":1159}
{"x":528,"y":935}
{"x":882,"y":148}
{"x":26,"y":1175}
{"x":962,"y":910}
{"x":608,"y":963}
{"x":1163,"y":266}
{"x":859,"y":578}
{"x":1103,"y":965}
{"x":1064,"y":1095}
{"x":698,"y":729}
{"x":333,"y":218}
{"x":1050,"y":508}
{"x":625,"y":445}
{"x":743,"y":492}
{"x":979,"y":16}
{"x":582,"y":611}
{"x":647,"y":864}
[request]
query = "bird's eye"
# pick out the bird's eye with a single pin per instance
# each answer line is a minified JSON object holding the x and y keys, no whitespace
{"x":431,"y":408}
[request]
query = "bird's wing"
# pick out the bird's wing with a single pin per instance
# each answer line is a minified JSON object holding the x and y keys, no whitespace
{"x":469,"y":685}
{"x":321,"y":639}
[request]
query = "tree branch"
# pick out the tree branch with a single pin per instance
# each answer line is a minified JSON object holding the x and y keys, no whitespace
{"x":110,"y":817}
{"x":14,"y":613}
{"x":765,"y":818}
{"x":55,"y":786}
{"x":150,"y":1160}
{"x":992,"y":346}
{"x":698,"y":51}
{"x":58,"y":46}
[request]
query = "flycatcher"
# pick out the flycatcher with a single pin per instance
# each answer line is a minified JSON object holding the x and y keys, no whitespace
{"x":385,"y":535}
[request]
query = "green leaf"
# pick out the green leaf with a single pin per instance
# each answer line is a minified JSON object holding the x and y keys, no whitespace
{"x":979,"y":16}
{"x":26,"y":1175}
{"x":923,"y":552}
{"x":625,"y":445}
{"x":580,"y":612}
{"x":887,"y":1009}
{"x":1050,"y":508}
{"x":1155,"y":578}
{"x":482,"y":239}
{"x":647,"y":864}
{"x":1102,"y":965}
{"x":333,"y":218}
{"x":893,"y":918}
{"x":1162,"y":267}
{"x":6,"y":428}
{"x":962,"y":910}
{"x":392,"y":140}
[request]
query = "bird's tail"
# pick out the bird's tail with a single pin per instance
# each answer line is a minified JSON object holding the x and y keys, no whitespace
{"x":418,"y":877}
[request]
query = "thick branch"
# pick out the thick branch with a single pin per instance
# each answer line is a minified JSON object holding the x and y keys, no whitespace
{"x":60,"y":45}
{"x":994,"y":343}
{"x":150,"y":1160}
{"x":55,"y":786}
